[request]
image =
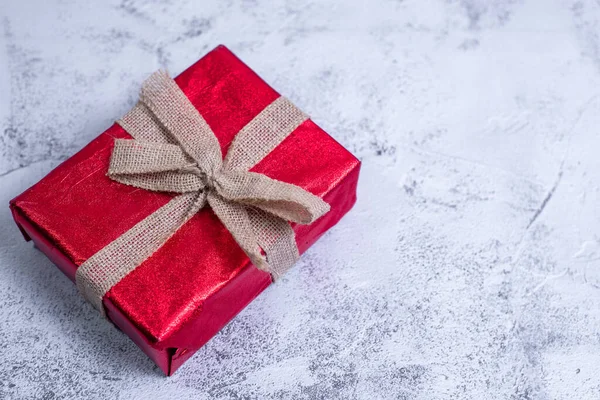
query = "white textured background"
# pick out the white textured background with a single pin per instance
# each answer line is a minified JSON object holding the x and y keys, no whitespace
{"x":470,"y":266}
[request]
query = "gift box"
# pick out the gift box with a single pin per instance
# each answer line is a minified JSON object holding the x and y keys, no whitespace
{"x":199,"y":279}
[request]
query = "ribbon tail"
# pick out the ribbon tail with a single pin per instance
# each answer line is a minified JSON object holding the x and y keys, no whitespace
{"x":98,"y":274}
{"x":276,"y":237}
{"x":237,"y":221}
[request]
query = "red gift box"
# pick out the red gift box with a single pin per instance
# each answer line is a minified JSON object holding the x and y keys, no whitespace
{"x":180,"y":297}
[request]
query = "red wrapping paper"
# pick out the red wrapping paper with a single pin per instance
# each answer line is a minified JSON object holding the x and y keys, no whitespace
{"x":175,"y":301}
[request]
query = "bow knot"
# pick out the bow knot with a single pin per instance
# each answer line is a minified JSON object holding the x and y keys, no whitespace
{"x":188,"y":160}
{"x":174,"y":150}
{"x":211,"y":180}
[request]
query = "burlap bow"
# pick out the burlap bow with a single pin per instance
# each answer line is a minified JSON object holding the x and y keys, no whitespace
{"x":174,"y":150}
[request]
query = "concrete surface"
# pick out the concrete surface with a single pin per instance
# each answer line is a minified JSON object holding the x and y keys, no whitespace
{"x":470,"y":266}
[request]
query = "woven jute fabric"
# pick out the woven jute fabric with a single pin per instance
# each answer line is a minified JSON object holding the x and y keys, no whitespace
{"x":175,"y":150}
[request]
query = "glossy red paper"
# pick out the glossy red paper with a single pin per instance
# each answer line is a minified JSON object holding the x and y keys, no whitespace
{"x":200,"y":279}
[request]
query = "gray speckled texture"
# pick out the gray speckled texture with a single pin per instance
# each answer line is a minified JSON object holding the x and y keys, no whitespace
{"x":470,"y":266}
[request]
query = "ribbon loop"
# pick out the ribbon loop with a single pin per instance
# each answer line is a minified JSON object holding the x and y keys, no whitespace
{"x":154,"y":166}
{"x":275,"y":197}
{"x":180,"y":118}
{"x":140,"y":157}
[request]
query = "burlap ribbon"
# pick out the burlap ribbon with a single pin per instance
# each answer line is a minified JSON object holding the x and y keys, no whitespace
{"x":174,"y":150}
